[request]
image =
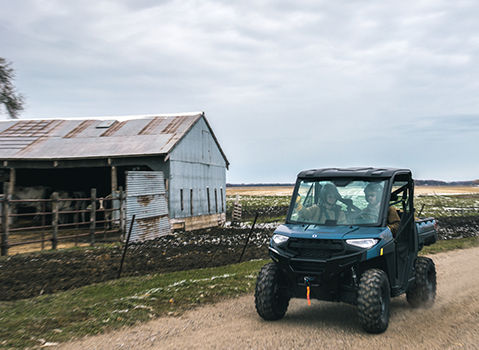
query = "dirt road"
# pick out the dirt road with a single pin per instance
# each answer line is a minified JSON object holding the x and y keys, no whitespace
{"x":453,"y":323}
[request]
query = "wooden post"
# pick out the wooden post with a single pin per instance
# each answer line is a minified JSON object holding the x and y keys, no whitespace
{"x":114,"y":179}
{"x":5,"y":219}
{"x":93,"y":216}
{"x":115,"y":203}
{"x":11,"y":187}
{"x":55,"y":217}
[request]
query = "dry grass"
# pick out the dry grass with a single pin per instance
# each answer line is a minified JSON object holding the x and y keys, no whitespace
{"x":35,"y":247}
{"x":260,"y":191}
{"x":439,"y":190}
{"x":288,"y":190}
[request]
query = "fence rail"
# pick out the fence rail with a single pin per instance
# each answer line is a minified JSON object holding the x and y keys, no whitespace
{"x":33,"y":221}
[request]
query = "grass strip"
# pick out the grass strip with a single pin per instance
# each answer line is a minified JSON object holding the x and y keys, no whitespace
{"x":100,"y":307}
{"x":105,"y":306}
{"x":450,"y":244}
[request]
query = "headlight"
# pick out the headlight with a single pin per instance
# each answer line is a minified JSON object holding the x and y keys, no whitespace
{"x":280,"y":239}
{"x":363,"y":243}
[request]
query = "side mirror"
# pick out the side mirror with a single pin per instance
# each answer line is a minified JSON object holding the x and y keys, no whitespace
{"x":394,"y":197}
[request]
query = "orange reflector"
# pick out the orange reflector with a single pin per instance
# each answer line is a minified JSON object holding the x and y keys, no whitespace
{"x":308,"y":291}
{"x":381,"y":252}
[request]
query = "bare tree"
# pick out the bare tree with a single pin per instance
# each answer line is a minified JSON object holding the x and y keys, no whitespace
{"x":12,"y":100}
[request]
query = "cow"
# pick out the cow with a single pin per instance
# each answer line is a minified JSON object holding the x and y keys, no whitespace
{"x":66,"y":202}
{"x":70,"y":201}
{"x":34,"y":207}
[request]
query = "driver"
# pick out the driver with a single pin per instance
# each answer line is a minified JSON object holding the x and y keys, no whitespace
{"x":372,"y":193}
{"x":327,"y":208}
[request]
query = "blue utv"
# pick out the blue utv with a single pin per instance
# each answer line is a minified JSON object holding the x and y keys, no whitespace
{"x":351,"y":235}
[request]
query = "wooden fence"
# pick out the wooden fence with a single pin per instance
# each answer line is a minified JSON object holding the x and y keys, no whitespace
{"x":67,"y":220}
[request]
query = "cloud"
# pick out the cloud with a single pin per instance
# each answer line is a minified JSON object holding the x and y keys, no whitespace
{"x":307,"y":82}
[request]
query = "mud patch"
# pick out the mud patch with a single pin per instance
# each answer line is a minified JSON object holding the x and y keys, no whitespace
{"x":28,"y":275}
{"x":454,"y":227}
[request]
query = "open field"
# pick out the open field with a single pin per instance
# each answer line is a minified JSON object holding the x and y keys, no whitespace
{"x":274,"y":207}
{"x":288,"y":190}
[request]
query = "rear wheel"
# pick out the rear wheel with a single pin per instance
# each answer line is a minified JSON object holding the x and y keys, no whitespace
{"x":422,"y":293}
{"x":373,"y":301}
{"x":271,"y":297}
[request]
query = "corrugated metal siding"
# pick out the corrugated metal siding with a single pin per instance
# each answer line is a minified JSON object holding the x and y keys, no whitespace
{"x":196,"y":164}
{"x":198,"y":146}
{"x":146,"y":198}
{"x":196,"y":177}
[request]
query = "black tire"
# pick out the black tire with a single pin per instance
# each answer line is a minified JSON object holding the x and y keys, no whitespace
{"x":270,"y":297}
{"x":373,"y":301}
{"x":422,"y":292}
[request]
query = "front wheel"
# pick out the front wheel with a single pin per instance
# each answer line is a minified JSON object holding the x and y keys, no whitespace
{"x":373,"y":301}
{"x":270,"y":297}
{"x":423,"y":290}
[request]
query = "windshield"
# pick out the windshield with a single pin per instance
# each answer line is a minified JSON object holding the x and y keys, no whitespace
{"x":338,"y":202}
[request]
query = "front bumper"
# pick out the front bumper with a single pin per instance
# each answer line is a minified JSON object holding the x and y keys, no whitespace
{"x":331,"y":279}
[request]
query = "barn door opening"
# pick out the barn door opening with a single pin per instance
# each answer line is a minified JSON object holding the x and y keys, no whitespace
{"x":146,"y":198}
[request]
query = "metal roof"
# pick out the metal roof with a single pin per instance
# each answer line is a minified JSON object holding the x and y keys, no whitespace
{"x":352,"y":172}
{"x":96,"y":137}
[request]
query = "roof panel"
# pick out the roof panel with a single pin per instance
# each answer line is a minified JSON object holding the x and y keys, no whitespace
{"x":351,"y":172}
{"x":70,"y":139}
{"x":132,"y":127}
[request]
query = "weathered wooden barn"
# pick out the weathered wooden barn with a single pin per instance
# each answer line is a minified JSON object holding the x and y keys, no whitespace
{"x":172,"y":167}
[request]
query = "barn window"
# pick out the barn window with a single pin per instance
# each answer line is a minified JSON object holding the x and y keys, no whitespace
{"x":181,"y":200}
{"x":216,"y":200}
{"x":208,"y":198}
{"x":191,"y":201}
{"x":222,"y":203}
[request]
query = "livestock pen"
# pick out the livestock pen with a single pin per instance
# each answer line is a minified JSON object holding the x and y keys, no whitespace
{"x":60,"y":222}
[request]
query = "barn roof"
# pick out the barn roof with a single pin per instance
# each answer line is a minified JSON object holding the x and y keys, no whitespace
{"x":96,"y":137}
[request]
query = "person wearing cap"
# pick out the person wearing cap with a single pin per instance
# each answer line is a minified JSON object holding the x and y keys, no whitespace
{"x":372,"y":194}
{"x":327,"y":210}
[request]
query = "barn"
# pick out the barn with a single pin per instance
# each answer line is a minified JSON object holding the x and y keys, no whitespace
{"x":171,"y":166}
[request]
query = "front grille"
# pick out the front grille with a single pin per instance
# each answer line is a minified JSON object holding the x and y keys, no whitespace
{"x":316,"y":248}
{"x":307,"y":266}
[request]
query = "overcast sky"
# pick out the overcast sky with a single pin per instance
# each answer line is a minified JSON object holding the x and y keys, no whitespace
{"x":285,"y":85}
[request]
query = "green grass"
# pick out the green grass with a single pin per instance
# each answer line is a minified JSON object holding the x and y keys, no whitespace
{"x":104,"y":306}
{"x":100,"y":307}
{"x":451,"y":244}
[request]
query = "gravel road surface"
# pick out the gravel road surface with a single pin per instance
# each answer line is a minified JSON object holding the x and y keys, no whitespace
{"x":453,"y":322}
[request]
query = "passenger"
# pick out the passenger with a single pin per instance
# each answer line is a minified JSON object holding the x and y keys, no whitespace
{"x":327,"y":208}
{"x":371,"y":213}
